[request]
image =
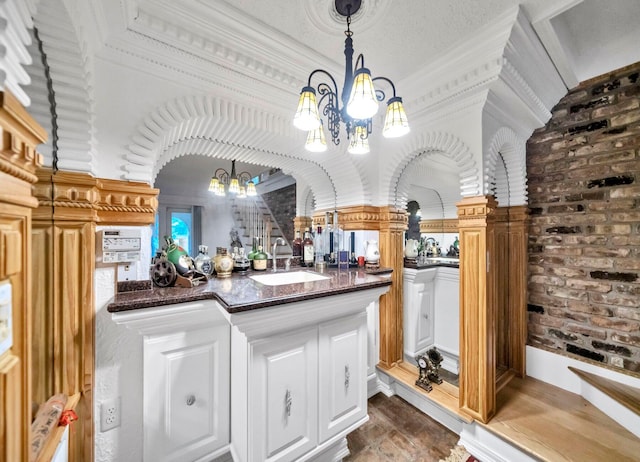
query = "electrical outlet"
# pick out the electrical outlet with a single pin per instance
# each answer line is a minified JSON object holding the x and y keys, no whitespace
{"x":110,"y":414}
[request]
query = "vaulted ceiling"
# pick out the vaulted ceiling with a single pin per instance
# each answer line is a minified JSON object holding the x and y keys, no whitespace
{"x":167,"y":78}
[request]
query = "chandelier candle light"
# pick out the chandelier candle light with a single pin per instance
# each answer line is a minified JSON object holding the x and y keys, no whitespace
{"x":241,"y":185}
{"x":359,"y":101}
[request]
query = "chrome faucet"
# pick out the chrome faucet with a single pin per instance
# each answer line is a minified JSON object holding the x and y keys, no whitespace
{"x":279,"y":241}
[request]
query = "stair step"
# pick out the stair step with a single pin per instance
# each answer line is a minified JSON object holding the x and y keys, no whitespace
{"x":626,"y":395}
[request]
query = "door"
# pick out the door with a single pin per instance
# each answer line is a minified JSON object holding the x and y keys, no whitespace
{"x":342,"y":351}
{"x":284,"y":415}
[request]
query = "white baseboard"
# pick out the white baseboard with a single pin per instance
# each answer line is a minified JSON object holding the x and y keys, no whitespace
{"x":486,"y":446}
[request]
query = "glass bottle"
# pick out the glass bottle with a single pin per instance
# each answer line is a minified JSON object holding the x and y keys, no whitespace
{"x":260,"y":260}
{"x":223,"y":263}
{"x":254,"y":249}
{"x":307,"y":249}
{"x":297,"y":245}
{"x":203,"y":261}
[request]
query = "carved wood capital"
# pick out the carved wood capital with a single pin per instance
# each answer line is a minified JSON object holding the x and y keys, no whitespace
{"x":79,"y":196}
{"x":445,"y":225}
{"x":476,"y":211}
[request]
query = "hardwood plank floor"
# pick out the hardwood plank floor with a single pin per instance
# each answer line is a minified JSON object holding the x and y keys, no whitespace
{"x":397,"y":431}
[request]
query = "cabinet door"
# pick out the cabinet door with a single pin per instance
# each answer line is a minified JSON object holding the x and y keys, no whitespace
{"x":283,"y":403}
{"x":186,"y":394}
{"x":342,"y":352}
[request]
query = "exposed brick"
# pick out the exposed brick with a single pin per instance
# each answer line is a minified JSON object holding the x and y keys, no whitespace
{"x":594,"y":171}
{"x":548,"y":280}
{"x":567,"y":272}
{"x":560,"y":250}
{"x":567,"y":293}
{"x":612,"y":157}
{"x":624,"y":119}
{"x":589,"y":308}
{"x":562,"y":336}
{"x":561,"y":313}
{"x":615,"y":204}
{"x":585,"y":353}
{"x":625,"y":105}
{"x":633,"y":340}
{"x":564,"y":229}
{"x":588,"y":262}
{"x":579,"y":239}
{"x":605,"y":87}
{"x":628,"y":264}
{"x":603,"y":101}
{"x":609,"y":229}
{"x":543,"y":299}
{"x":587,"y":331}
{"x":631,"y":289}
{"x":588,"y":285}
{"x":626,"y":216}
{"x":618,"y":324}
{"x":633,"y":366}
{"x":566,"y":208}
{"x":600,"y":124}
{"x":536,"y":340}
{"x":585,"y":196}
{"x":608,"y":347}
{"x":632,"y":313}
{"x":611,"y":181}
{"x":614,"y":276}
{"x":535,"y":309}
{"x":605,"y":252}
{"x":546,"y":320}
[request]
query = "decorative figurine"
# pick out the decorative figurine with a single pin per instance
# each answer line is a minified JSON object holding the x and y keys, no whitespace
{"x":428,"y":366}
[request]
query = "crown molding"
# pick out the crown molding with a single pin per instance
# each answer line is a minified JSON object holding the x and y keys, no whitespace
{"x":15,"y":37}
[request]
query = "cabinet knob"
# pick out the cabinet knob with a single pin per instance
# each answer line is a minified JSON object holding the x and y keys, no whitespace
{"x":190,"y":400}
{"x":425,"y":316}
{"x":347,"y":376}
{"x":288,"y":401}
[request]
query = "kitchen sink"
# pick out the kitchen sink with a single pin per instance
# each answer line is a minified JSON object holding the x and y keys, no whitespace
{"x":293,"y":277}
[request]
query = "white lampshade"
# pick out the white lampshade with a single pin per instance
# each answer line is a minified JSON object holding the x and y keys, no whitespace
{"x":362,"y":101}
{"x":242,"y":193}
{"x":395,"y":121}
{"x":251,"y":189}
{"x":359,"y":143}
{"x":213,"y":185}
{"x":306,"y":117}
{"x":220,"y":191}
{"x":234,"y":186}
{"x":316,"y":141}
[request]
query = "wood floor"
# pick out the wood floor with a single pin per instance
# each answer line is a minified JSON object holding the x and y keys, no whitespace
{"x":396,"y":431}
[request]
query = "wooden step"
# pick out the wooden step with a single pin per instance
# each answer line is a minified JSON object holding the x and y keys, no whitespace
{"x":626,"y":395}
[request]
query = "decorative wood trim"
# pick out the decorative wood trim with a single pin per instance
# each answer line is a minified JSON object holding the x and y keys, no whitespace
{"x":477,"y":307}
{"x":445,"y":225}
{"x":302,"y":223}
{"x":79,"y":196}
{"x":365,"y":217}
{"x":19,"y":136}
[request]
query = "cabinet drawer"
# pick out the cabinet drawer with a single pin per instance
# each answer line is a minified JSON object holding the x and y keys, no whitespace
{"x":343,"y":370}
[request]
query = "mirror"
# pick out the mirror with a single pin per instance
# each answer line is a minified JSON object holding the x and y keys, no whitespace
{"x":193,"y":215}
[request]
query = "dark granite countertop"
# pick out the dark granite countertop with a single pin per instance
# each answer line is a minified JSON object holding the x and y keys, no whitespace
{"x":432,"y":263}
{"x":241,"y":293}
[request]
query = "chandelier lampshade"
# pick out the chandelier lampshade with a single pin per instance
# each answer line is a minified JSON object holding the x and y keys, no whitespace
{"x":306,"y":117}
{"x":395,"y":121}
{"x":316,"y":142}
{"x":362,"y":102}
{"x":238,"y":185}
{"x":354,"y":106}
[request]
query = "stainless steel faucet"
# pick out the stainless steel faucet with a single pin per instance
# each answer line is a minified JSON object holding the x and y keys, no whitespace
{"x":279,"y":241}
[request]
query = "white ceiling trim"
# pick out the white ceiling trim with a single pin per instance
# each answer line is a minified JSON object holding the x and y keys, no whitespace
{"x":507,"y":143}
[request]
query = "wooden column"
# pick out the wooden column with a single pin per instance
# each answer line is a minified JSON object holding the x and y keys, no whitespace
{"x":476,"y":216}
{"x":393,"y":224}
{"x":71,"y":205}
{"x":20,"y":135}
{"x":301,"y":224}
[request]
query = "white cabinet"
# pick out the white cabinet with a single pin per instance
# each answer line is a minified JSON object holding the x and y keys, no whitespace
{"x":186,"y":378}
{"x":282,"y":398}
{"x":299,"y":378}
{"x":418,"y":313}
{"x":343,"y":365}
{"x":431,"y":313}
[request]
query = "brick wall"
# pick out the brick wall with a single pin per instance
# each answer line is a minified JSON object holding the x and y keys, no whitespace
{"x":584,"y":238}
{"x":282,"y":204}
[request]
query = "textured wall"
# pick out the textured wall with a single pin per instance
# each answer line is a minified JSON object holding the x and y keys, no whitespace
{"x":584,"y":237}
{"x":282,"y":204}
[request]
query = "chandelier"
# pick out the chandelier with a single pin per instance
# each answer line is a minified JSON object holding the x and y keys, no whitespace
{"x":241,"y":185}
{"x":359,"y":100}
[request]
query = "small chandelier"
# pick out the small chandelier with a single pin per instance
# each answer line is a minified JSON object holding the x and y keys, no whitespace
{"x":241,"y":185}
{"x":359,"y":101}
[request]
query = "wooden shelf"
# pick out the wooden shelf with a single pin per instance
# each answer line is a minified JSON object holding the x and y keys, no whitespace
{"x":626,"y":395}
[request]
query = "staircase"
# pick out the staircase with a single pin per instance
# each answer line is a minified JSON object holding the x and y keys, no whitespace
{"x":253,"y":218}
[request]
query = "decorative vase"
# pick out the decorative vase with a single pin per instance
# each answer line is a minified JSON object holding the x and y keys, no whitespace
{"x":411,"y":249}
{"x":223,"y":263}
{"x":371,"y":252}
